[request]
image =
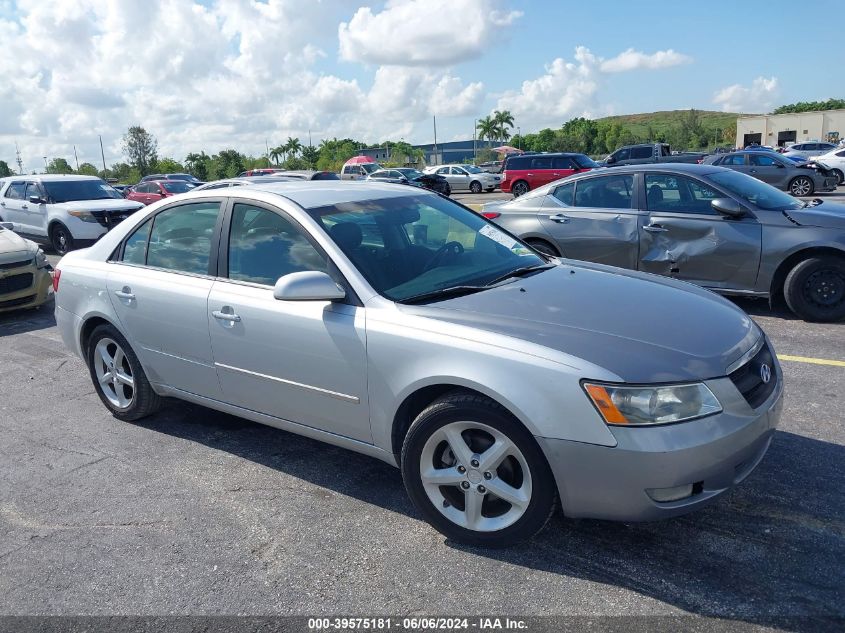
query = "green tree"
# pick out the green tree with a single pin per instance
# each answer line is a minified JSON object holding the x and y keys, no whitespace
{"x":121,"y":171}
{"x":87,"y":169}
{"x":293,"y":146}
{"x":294,"y":162}
{"x":310,"y":155}
{"x":197,"y":165}
{"x":276,"y":154}
{"x":811,"y":106}
{"x":503,"y":123}
{"x":141,"y":148}
{"x":59,"y":166}
{"x":4,"y":169}
{"x":487,"y":128}
{"x":227,"y":164}
{"x":168,"y":166}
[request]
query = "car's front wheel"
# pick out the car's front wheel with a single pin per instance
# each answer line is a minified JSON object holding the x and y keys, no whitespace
{"x":475,"y":186}
{"x":840,"y":176}
{"x":118,"y":377}
{"x":801,"y":186}
{"x":815,"y":289}
{"x":476,"y":474}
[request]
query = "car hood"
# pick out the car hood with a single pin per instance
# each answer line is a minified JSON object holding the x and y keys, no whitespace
{"x":829,"y":215}
{"x":114,"y":204}
{"x":13,"y":244}
{"x":643,"y":328}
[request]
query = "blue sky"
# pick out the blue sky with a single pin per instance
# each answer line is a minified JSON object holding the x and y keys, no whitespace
{"x":236,"y":73}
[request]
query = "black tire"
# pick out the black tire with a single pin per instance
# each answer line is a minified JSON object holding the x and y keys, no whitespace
{"x":815,"y":289}
{"x":520,"y":188}
{"x":802,"y":186}
{"x":475,"y":187}
{"x":543,"y":246}
{"x":145,"y":401}
{"x":60,"y":239}
{"x":840,"y":176}
{"x":448,"y":190}
{"x":464,"y":407}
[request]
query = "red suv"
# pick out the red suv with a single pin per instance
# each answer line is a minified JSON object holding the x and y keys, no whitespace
{"x":521,"y":174}
{"x":155,"y":190}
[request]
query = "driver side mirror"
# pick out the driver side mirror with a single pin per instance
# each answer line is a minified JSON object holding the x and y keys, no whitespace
{"x":728,"y":207}
{"x":610,"y":160}
{"x":35,"y":200}
{"x":309,"y":285}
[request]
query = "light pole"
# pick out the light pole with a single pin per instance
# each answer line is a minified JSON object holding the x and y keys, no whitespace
{"x":519,"y":134}
{"x":45,"y":165}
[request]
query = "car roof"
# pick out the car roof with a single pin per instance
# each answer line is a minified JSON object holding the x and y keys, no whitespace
{"x":51,"y":177}
{"x":681,"y":168}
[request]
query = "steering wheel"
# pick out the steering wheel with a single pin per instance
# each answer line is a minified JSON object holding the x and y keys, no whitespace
{"x":455,"y":248}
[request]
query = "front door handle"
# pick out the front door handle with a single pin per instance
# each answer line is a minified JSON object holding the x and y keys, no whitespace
{"x":655,"y":228}
{"x":559,"y":218}
{"x":125,"y":293}
{"x":23,"y":206}
{"x":231,"y":317}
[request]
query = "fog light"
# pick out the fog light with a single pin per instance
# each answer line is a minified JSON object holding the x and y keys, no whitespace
{"x":664,"y":495}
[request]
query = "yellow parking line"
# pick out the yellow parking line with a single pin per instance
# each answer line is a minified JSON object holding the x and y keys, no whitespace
{"x":814,"y":361}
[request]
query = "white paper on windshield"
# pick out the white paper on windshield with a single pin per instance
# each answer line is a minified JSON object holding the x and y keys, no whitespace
{"x":492,"y":233}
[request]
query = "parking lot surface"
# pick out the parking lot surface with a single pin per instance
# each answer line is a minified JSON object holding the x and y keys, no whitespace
{"x":194,"y":511}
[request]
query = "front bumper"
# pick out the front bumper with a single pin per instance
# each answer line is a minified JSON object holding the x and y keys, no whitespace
{"x":713,"y":454}
{"x":828,"y":183}
{"x":32,"y":295}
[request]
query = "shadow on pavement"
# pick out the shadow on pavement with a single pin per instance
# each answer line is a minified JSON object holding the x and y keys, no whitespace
{"x":771,"y":550}
{"x":22,"y":321}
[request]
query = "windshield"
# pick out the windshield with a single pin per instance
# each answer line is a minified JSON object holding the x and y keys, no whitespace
{"x":371,"y":167}
{"x":177,"y":186}
{"x":585,"y":162}
{"x":71,"y":190}
{"x":410,"y":174}
{"x":187,"y":177}
{"x":417,"y":244}
{"x":472,"y":169}
{"x":756,"y":192}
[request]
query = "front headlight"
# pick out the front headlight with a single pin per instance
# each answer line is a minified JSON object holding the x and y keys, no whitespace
{"x":85,"y":216}
{"x":652,"y":405}
{"x":41,"y":259}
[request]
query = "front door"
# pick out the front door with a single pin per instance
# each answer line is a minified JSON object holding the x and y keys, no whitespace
{"x":682,"y":236}
{"x":458,"y":178}
{"x":35,"y":213}
{"x":302,"y":361}
{"x":769,"y":169}
{"x":595,"y":221}
{"x":159,"y":289}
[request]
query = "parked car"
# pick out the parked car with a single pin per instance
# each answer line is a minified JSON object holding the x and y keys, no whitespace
{"x":521,"y":174}
{"x":238,"y":182}
{"x":397,"y":323}
{"x":185,"y":177}
{"x":410,"y":176}
{"x":835,"y":161}
{"x":647,"y":153}
{"x":358,"y":168}
{"x":263,"y":171}
{"x":466,"y":177}
{"x":718,"y":228}
{"x":799,"y":179}
{"x":25,"y":274}
{"x":63,"y":211}
{"x":154,"y":190}
{"x":807,"y":149}
{"x":308,"y":174}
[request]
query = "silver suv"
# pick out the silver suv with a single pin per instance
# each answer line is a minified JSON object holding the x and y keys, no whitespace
{"x":65,"y":212}
{"x":466,"y":177}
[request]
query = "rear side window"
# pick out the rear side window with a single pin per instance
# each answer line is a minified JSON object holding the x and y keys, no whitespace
{"x":16,"y":191}
{"x":606,"y":192}
{"x":734,"y":159}
{"x":517,"y":163}
{"x":641,"y":152}
{"x":566,"y":194}
{"x":264,"y":246}
{"x":180,"y":239}
{"x":541,"y":163}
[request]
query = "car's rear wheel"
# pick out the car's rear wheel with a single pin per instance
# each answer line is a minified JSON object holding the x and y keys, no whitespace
{"x":475,"y":186}
{"x":476,"y":474}
{"x":520,"y":188}
{"x":801,"y":186}
{"x":60,"y":239}
{"x":118,"y":377}
{"x":815,"y":289}
{"x":543,"y":246}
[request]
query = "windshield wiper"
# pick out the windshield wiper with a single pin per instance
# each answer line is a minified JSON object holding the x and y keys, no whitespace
{"x":518,"y":272}
{"x":443,"y":293}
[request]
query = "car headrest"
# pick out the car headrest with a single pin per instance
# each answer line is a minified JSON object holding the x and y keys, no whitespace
{"x":347,"y":235}
{"x":655,"y":193}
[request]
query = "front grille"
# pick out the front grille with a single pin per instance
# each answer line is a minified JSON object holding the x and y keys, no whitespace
{"x":20,"y":264}
{"x":15,"y":283}
{"x":748,"y":379}
{"x":11,"y":303}
{"x":110,"y":219}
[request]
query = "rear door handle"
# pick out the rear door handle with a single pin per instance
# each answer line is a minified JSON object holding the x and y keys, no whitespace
{"x":231,"y":317}
{"x":559,"y":218}
{"x":125,"y":293}
{"x":655,"y":228}
{"x":23,"y":206}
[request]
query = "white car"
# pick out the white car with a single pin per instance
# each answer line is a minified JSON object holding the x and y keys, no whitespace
{"x":835,"y":159}
{"x":466,"y":177}
{"x":63,"y":211}
{"x":25,"y":274}
{"x":807,"y":149}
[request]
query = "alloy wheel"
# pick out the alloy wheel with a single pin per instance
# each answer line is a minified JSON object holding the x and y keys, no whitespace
{"x":475,"y":476}
{"x":114,"y":373}
{"x":801,"y":186}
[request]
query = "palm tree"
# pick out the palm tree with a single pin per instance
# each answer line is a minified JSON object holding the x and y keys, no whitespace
{"x":293,"y":146}
{"x":276,"y":153}
{"x":503,"y":121}
{"x":486,"y":128}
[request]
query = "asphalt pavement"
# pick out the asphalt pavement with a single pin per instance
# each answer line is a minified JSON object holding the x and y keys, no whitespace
{"x":193,"y":511}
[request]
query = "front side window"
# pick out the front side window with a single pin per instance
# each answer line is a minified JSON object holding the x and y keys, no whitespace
{"x":563,"y":162}
{"x":264,"y":246}
{"x":584,"y":162}
{"x":417,"y":244}
{"x":180,"y":239}
{"x":622,"y":154}
{"x":16,"y":191}
{"x":763,"y":161}
{"x":566,"y":194}
{"x":606,"y":192}
{"x":457,"y":171}
{"x":177,"y":186}
{"x":32,"y":189}
{"x":678,"y":194}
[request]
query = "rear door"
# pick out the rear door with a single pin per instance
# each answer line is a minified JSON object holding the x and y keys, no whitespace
{"x":683,"y":236}
{"x":541,"y":172}
{"x":159,"y":285}
{"x":595,"y":219}
{"x":13,"y":204}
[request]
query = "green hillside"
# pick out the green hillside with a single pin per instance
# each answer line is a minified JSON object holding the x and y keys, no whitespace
{"x":654,"y":124}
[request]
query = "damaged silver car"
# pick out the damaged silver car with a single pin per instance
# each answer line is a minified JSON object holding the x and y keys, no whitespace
{"x":718,"y":228}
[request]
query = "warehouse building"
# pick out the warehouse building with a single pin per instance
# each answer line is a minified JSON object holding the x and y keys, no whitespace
{"x":779,"y":130}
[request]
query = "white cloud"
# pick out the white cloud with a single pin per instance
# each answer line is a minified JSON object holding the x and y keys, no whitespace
{"x":422,"y":32}
{"x":760,"y":96}
{"x":633,"y":60}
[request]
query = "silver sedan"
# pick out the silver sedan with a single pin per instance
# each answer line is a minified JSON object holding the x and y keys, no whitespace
{"x":401,"y":325}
